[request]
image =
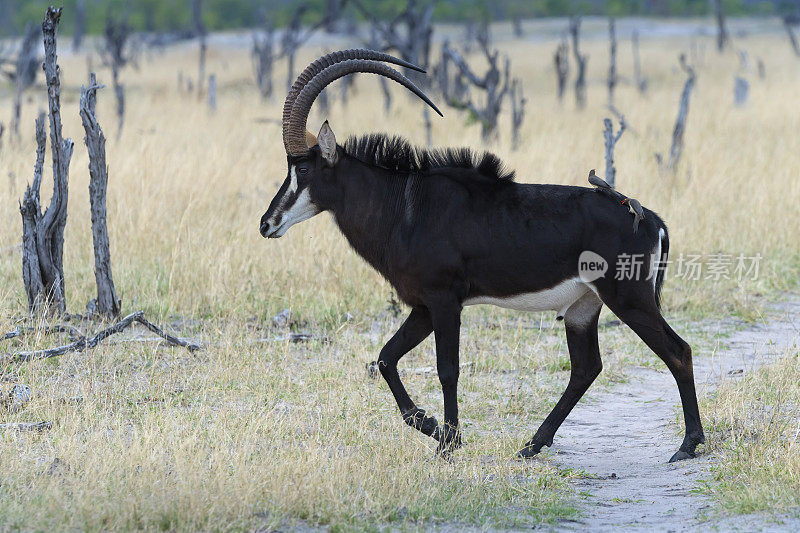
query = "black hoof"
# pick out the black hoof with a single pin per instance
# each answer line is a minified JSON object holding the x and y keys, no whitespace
{"x":531,"y":449}
{"x":417,"y":419}
{"x":450,"y":442}
{"x":687,"y":449}
{"x":680,"y":455}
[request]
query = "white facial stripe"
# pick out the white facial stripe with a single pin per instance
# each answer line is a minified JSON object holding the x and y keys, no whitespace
{"x":301,"y":210}
{"x":292,"y":180}
{"x":275,"y":219}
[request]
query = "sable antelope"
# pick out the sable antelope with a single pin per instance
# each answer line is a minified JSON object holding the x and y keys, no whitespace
{"x":450,"y":228}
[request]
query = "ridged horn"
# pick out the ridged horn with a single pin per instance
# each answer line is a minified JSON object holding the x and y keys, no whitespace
{"x":324,"y":62}
{"x":295,"y":138}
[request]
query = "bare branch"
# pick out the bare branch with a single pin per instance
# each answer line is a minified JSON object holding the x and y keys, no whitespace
{"x":84,"y":343}
{"x":26,"y":426}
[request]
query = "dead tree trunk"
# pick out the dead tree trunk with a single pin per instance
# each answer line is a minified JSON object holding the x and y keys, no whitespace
{"x":722,"y":31}
{"x":495,"y":82}
{"x":200,"y":31}
{"x":263,"y":59}
{"x":107,"y":303}
{"x":676,"y":149}
{"x":610,"y":142}
{"x":80,"y":25}
{"x":332,"y":13}
{"x":114,"y":56}
{"x":347,"y":86}
{"x":612,"y":64}
{"x":787,"y":24}
{"x":374,"y":44}
{"x":580,"y":60}
{"x":641,"y":81}
{"x":516,"y":22}
{"x":43,"y":233}
{"x":741,"y":91}
{"x":413,"y":42}
{"x":291,"y":42}
{"x":562,"y":67}
{"x":212,"y":92}
{"x":518,"y":101}
{"x":25,"y":68}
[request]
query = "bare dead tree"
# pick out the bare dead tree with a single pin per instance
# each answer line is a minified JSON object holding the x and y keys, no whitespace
{"x":43,"y":233}
{"x":612,"y":63}
{"x":212,"y":92}
{"x":470,"y":33}
{"x":741,"y":90}
{"x":676,"y":149}
{"x":494,"y":83}
{"x":293,"y":38}
{"x":611,"y":140}
{"x":561,"y":59}
{"x":291,"y":42}
{"x":788,"y":22}
{"x":744,"y":60}
{"x":333,"y":12}
{"x":264,"y":59}
{"x":374,"y":44}
{"x":80,"y":24}
{"x":518,"y":102}
{"x":115,"y":57}
{"x":639,"y":79}
{"x":580,"y":61}
{"x":409,"y":34}
{"x":516,"y":23}
{"x":723,"y":37}
{"x":201,"y":33}
{"x":26,"y":65}
{"x":106,"y":303}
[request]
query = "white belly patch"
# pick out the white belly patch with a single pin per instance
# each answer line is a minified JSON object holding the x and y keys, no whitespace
{"x":558,"y":298}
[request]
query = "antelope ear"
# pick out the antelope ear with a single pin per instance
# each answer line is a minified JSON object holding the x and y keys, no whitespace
{"x":327,"y":144}
{"x":311,"y":139}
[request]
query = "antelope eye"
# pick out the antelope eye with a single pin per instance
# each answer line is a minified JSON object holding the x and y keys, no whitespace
{"x":302,"y":170}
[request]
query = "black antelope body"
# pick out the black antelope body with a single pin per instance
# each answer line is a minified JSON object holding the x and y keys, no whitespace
{"x":451,"y":228}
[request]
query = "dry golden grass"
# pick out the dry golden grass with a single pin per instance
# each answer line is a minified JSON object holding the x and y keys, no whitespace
{"x":188,"y":187}
{"x":754,"y":428}
{"x":249,"y":434}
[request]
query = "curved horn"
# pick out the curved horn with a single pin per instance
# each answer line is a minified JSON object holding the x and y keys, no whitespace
{"x":325,"y":61}
{"x":296,"y":135}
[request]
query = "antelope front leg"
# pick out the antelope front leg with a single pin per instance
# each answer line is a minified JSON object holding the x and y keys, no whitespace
{"x":446,"y":326}
{"x":414,"y":330}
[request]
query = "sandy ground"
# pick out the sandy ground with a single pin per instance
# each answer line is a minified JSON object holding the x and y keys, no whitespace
{"x":623,"y":438}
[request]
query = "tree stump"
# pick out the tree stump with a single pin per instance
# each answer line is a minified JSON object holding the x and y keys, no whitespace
{"x":107,"y":303}
{"x":43,"y":233}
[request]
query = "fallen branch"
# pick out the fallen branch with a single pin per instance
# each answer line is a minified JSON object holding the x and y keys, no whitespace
{"x":84,"y":343}
{"x":27,"y":426}
{"x":58,"y":328}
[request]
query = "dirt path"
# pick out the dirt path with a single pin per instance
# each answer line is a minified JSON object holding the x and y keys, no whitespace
{"x":635,"y":487}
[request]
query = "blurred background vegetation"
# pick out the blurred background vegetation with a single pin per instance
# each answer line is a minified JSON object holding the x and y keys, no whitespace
{"x":176,"y":15}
